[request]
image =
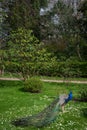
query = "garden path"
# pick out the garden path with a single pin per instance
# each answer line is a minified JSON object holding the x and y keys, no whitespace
{"x":47,"y":80}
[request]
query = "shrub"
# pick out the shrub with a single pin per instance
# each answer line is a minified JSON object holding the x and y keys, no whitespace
{"x":83,"y":95}
{"x":33,"y":85}
{"x":63,"y":69}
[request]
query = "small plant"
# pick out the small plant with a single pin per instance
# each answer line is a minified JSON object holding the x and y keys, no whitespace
{"x":84,"y":112}
{"x":33,"y":85}
{"x":83,"y":95}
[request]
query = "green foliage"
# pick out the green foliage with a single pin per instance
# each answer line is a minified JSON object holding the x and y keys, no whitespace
{"x":33,"y":85}
{"x":82,"y":19}
{"x":18,"y":14}
{"x":22,"y":46}
{"x":64,"y":69}
{"x":61,"y":36}
{"x":43,"y":3}
{"x":83,"y":94}
{"x":23,"y":13}
{"x":82,"y":26}
{"x":49,"y":67}
{"x":25,"y":53}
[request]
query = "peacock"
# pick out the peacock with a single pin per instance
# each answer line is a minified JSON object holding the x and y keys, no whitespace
{"x":46,"y":116}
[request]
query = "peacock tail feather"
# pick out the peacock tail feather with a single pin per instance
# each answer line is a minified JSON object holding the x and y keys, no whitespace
{"x":41,"y":119}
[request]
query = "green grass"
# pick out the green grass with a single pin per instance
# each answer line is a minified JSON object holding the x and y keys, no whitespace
{"x":15,"y":103}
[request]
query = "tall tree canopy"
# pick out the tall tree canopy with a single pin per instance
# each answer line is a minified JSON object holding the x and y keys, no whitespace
{"x":82,"y":18}
{"x":82,"y":26}
{"x":23,"y":13}
{"x":59,"y":30}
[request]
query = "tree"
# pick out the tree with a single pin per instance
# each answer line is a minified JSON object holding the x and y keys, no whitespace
{"x":82,"y":27}
{"x":23,"y":13}
{"x":25,"y":53}
{"x":3,"y":35}
{"x":60,"y":32}
{"x":82,"y":18}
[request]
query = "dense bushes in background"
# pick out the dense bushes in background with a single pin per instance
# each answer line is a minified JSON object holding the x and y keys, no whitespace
{"x":64,"y":69}
{"x":54,"y":68}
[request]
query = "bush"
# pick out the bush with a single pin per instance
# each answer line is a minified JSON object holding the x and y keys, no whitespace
{"x":33,"y":85}
{"x":83,"y":95}
{"x":63,"y":69}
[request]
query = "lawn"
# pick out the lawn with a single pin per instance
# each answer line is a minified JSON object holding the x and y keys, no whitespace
{"x":15,"y":103}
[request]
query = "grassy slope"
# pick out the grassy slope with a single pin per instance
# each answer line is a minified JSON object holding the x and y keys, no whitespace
{"x":14,"y":103}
